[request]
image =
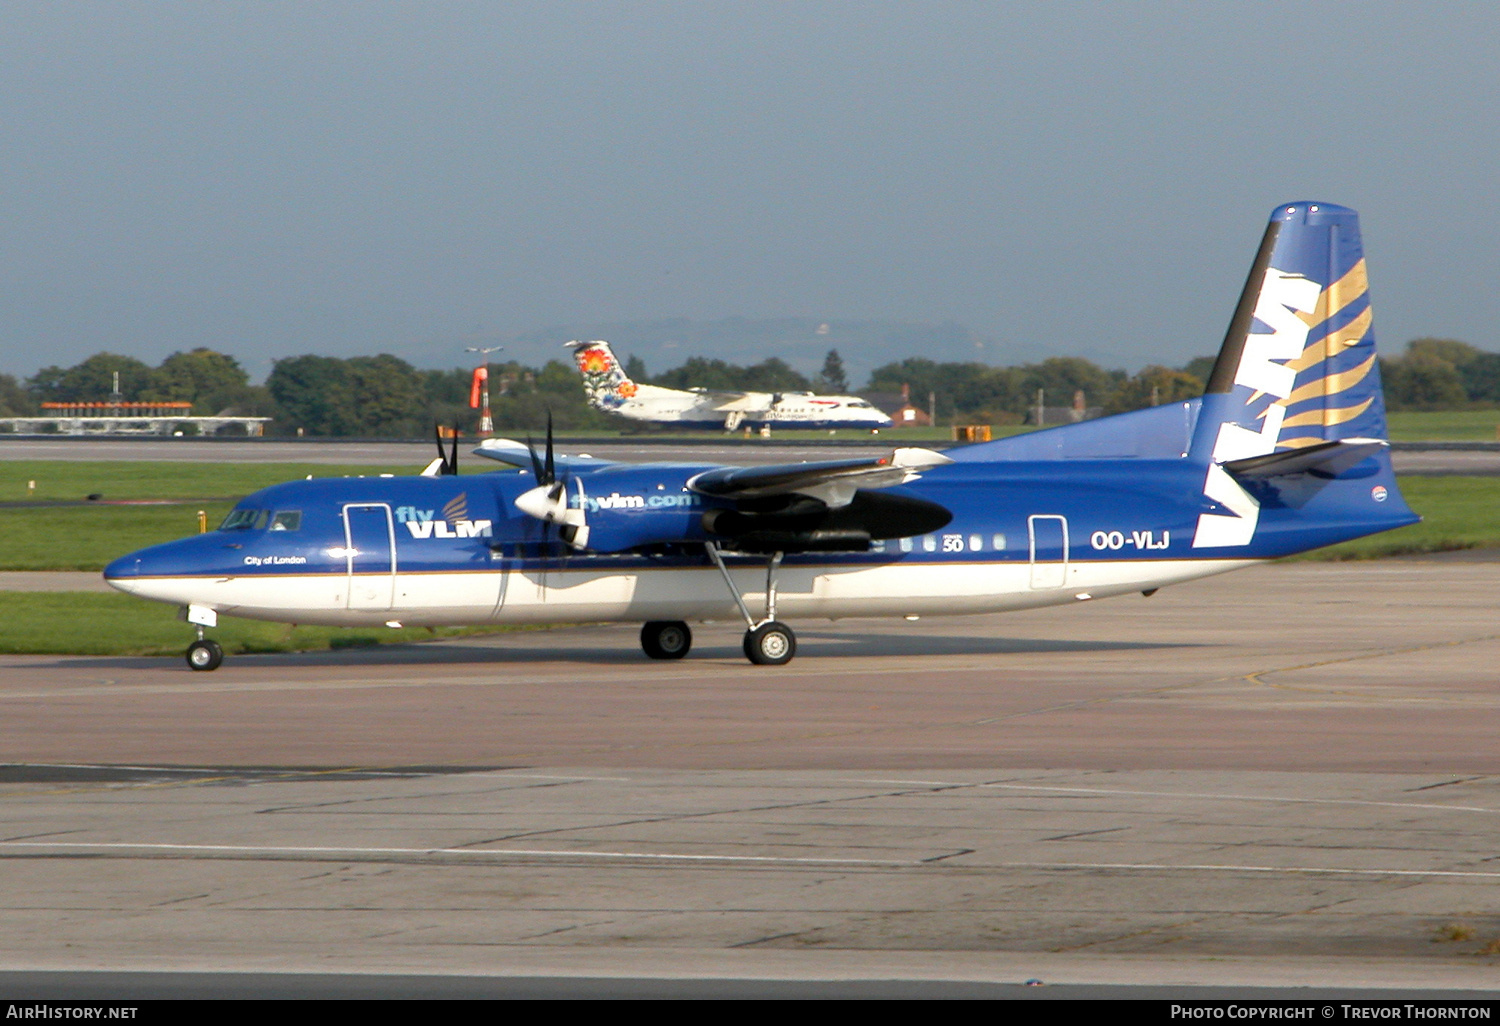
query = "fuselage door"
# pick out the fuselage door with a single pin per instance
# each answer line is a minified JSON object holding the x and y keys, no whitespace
{"x":1049,"y":550}
{"x":370,"y":550}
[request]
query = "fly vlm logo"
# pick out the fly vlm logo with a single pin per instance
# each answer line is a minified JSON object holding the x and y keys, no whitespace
{"x":455,"y":522}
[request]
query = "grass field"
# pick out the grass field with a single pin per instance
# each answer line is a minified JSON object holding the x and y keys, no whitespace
{"x":79,"y":623}
{"x":88,"y":537}
{"x":1444,"y":426}
{"x":49,"y":537}
{"x":1457,"y":512}
{"x":70,"y":480}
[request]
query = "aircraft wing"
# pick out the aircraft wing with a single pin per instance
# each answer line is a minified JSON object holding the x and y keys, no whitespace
{"x":833,"y":482}
{"x":729,"y":402}
{"x":518,"y":454}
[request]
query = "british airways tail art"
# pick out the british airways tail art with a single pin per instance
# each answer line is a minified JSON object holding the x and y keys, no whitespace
{"x":610,"y":389}
{"x":1286,"y":451}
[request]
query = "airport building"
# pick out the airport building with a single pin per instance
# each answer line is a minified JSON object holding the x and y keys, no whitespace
{"x":121,"y":418}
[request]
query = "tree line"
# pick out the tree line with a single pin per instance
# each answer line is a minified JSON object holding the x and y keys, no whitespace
{"x":384,"y":396}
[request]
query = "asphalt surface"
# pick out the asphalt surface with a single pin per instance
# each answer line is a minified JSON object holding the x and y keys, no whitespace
{"x":1284,"y":777}
{"x":418,"y":454}
{"x":1409,"y":457}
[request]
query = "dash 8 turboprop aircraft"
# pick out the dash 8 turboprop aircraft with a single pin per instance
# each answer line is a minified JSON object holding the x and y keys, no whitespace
{"x":611,"y":390}
{"x":1284,"y":452}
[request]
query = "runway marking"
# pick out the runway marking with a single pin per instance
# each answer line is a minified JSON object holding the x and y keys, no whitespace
{"x":1214,"y":868}
{"x":235,"y":849}
{"x":247,"y":849}
{"x":1247,"y":797}
{"x":1191,"y":794}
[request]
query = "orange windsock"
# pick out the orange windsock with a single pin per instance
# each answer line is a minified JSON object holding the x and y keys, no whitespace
{"x":481,"y":375}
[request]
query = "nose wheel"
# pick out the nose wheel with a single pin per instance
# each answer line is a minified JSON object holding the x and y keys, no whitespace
{"x":205,"y":654}
{"x":666,"y":639}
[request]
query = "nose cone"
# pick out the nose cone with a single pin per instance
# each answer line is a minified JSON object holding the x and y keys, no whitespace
{"x":545,"y":502}
{"x":160,"y":571}
{"x":122,"y":573}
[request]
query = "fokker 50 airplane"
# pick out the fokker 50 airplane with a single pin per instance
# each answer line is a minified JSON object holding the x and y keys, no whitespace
{"x":611,"y":390}
{"x":1284,"y":452}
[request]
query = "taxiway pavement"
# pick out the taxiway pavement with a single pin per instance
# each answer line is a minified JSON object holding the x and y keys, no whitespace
{"x":1287,"y":775}
{"x":1409,"y":458}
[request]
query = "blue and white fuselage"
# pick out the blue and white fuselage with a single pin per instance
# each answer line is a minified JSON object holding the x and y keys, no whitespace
{"x":1024,"y":533}
{"x":1284,"y":453}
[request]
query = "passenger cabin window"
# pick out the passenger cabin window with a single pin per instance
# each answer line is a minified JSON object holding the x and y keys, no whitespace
{"x":286,"y":520}
{"x":244,"y":520}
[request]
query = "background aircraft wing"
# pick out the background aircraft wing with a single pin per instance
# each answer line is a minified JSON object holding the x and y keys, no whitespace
{"x":518,"y":454}
{"x":728,"y":402}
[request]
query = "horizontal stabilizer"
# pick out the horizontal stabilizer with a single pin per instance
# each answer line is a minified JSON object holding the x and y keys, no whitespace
{"x":518,"y":454}
{"x":1326,"y":459}
{"x":833,"y":482}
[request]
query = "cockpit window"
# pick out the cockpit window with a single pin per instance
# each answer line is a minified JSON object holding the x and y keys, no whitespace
{"x":286,"y":520}
{"x":244,"y":520}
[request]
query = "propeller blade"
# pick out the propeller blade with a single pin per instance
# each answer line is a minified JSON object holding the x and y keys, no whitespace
{"x":536,"y":461}
{"x":453,"y":456}
{"x":551,"y":462}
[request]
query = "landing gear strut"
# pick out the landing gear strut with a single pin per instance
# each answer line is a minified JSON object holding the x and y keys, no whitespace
{"x":666,"y":639}
{"x":768,"y":642}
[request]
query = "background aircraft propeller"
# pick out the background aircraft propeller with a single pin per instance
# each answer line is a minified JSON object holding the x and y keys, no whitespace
{"x":446,"y":462}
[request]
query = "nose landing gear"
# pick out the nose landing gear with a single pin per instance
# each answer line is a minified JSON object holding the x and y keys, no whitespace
{"x":205,"y":654}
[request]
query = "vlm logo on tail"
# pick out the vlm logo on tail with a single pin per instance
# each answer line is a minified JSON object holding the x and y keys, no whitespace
{"x":1271,"y":387}
{"x":1280,"y":295}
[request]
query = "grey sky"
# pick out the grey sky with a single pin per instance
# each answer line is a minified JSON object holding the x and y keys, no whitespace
{"x":1061,"y":178}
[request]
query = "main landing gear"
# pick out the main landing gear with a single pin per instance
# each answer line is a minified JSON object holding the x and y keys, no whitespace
{"x":666,"y":639}
{"x":768,"y":642}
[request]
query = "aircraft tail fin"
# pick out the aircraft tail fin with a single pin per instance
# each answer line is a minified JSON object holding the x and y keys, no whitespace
{"x":1293,"y":414}
{"x":1298,"y":365}
{"x":604,"y":379}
